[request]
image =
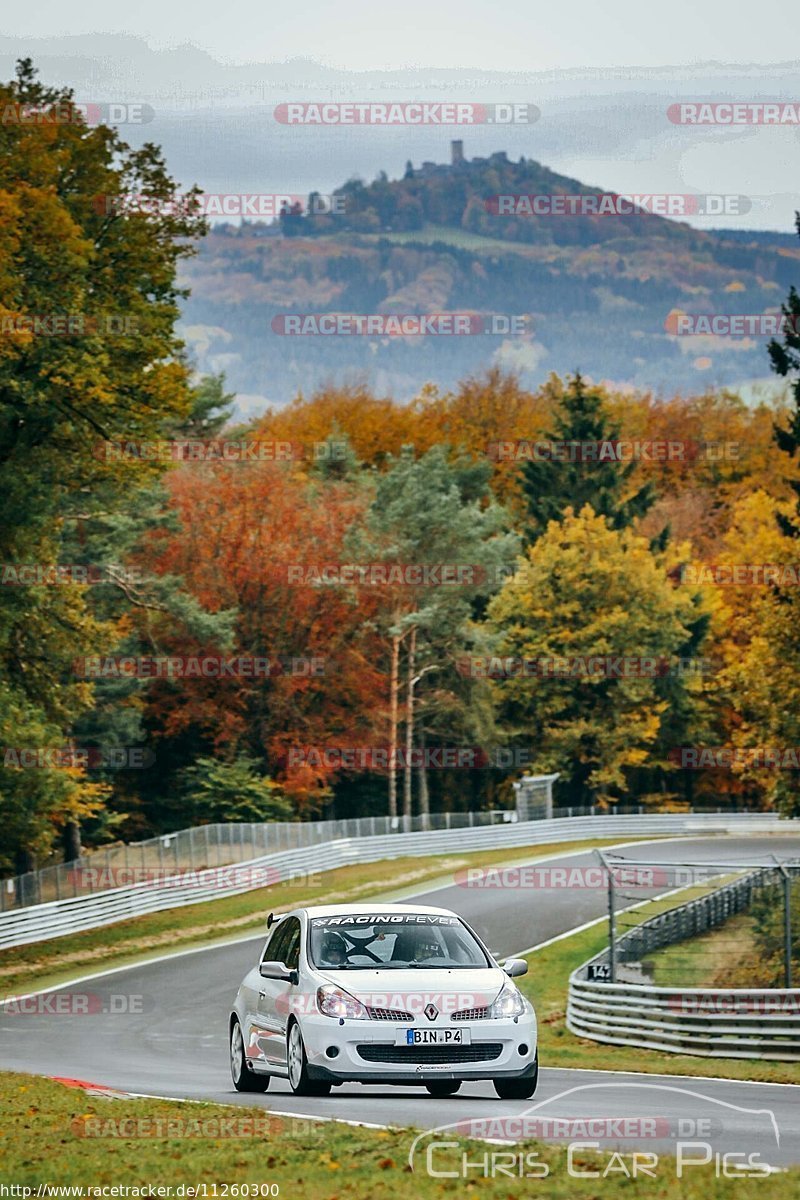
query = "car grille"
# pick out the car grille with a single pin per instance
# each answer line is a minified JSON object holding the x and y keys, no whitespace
{"x":471,"y":1014}
{"x":416,"y":1055}
{"x":389,"y":1014}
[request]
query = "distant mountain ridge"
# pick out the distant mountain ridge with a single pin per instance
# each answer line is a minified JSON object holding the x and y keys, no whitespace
{"x":127,"y":55}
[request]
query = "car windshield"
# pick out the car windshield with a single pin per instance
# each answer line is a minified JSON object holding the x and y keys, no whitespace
{"x":393,"y":941}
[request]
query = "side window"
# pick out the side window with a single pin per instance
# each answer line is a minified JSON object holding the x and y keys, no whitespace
{"x":276,"y":946}
{"x":292,"y":950}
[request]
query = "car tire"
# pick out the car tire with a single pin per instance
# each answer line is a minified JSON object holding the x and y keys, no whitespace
{"x":244,"y":1080}
{"x":519,"y":1088}
{"x":297,"y":1066}
{"x":440,"y":1088}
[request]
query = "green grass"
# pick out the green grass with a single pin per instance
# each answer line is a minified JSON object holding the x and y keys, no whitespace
{"x":49,"y":1134}
{"x":462,"y":239}
{"x":723,"y":957}
{"x":59,"y":960}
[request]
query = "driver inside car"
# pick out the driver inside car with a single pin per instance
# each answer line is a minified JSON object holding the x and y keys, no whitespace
{"x":333,"y":951}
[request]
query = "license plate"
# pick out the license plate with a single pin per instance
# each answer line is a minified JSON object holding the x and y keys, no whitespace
{"x":432,"y":1037}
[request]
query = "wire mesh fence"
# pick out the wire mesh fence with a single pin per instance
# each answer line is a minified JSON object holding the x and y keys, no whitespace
{"x":701,"y":925}
{"x":214,"y":845}
{"x":224,"y":844}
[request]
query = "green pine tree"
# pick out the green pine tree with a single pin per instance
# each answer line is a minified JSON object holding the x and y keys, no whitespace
{"x":551,"y":485}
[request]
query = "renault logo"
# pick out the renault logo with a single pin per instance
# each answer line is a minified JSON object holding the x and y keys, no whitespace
{"x":431,"y":1012}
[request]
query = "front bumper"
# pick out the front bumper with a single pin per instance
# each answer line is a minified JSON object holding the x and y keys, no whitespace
{"x":365,"y":1051}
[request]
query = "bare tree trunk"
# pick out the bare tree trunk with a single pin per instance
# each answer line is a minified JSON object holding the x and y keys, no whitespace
{"x":72,"y":841}
{"x":411,"y":681}
{"x":71,"y":833}
{"x":424,"y":795}
{"x":394,"y":687}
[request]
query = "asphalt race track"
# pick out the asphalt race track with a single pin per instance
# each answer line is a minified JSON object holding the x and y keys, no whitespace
{"x":176,"y":1045}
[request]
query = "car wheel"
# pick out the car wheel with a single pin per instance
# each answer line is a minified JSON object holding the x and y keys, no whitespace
{"x":443,"y":1087}
{"x":244,"y":1080}
{"x":518,"y":1089}
{"x":297,"y":1064}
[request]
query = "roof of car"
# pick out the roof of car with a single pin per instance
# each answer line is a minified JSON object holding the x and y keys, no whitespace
{"x":341,"y":910}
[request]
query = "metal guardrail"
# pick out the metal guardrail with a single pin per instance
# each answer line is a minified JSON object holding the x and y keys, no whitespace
{"x":213,"y":845}
{"x":61,"y":917}
{"x":711,"y":1022}
{"x":723,"y":1023}
{"x":218,"y":845}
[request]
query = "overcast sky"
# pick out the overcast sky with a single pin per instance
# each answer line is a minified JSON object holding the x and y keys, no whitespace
{"x":517,"y":35}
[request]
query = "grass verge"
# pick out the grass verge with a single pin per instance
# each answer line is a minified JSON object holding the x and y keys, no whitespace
{"x":728,"y":956}
{"x":52,"y":1134}
{"x":59,"y":960}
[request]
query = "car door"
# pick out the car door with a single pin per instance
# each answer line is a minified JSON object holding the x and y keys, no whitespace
{"x":275,"y":995}
{"x":257,"y":1035}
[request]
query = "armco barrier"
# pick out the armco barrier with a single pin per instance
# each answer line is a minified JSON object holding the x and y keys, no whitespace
{"x":218,"y":845}
{"x":718,"y":1023}
{"x":61,"y":917}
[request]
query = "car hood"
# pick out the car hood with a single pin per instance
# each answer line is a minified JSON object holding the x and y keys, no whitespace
{"x":413,"y":990}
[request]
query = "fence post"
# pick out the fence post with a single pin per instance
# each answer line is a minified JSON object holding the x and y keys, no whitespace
{"x":787,"y":925}
{"x":612,"y":922}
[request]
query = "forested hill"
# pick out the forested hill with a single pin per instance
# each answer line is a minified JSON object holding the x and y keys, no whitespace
{"x":596,"y":290}
{"x":466,"y":195}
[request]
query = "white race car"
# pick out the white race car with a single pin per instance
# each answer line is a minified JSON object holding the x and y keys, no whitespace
{"x":381,"y":993}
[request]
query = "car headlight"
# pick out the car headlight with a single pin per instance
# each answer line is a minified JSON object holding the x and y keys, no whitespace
{"x":509,"y":1003}
{"x":334,"y":1002}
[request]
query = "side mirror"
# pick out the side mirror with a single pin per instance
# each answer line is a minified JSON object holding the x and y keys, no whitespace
{"x":277,"y":970}
{"x":514,"y":967}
